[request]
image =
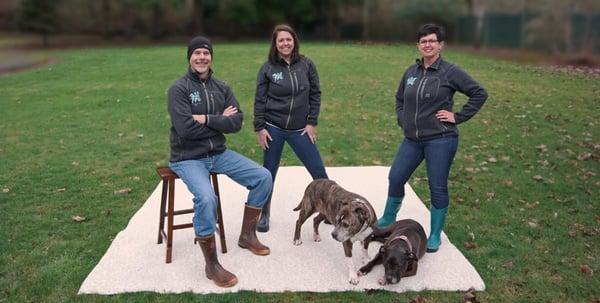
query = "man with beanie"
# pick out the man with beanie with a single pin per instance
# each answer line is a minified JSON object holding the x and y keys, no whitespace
{"x":202,"y":110}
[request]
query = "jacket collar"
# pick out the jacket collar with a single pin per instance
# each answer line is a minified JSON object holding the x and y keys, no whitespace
{"x":284,"y":63}
{"x":194,"y":75}
{"x":435,"y":65}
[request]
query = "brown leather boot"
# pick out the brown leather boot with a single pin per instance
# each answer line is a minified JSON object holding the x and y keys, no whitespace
{"x":214,"y":270}
{"x":248,"y":235}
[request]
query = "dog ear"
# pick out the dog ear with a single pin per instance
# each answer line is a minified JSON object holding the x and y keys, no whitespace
{"x":411,"y":256}
{"x":362,"y":213}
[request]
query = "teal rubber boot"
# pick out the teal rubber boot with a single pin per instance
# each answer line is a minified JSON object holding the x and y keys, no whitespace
{"x":392,"y":206}
{"x":438,"y":217}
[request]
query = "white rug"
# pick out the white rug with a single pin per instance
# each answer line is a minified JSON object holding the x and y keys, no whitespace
{"x":134,"y":262}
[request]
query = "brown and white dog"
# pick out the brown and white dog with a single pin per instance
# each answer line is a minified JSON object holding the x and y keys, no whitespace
{"x":404,"y":243}
{"x":351,"y":215}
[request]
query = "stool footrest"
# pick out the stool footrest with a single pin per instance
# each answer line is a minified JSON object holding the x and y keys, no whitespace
{"x":182,"y":226}
{"x":181,"y":212}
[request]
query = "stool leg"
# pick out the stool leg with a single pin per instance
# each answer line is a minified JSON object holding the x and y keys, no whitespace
{"x":170,"y":221}
{"x":161,"y":219}
{"x":215,"y":184}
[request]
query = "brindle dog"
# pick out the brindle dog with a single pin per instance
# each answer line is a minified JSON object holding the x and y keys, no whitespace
{"x":351,"y":215}
{"x":404,"y":243}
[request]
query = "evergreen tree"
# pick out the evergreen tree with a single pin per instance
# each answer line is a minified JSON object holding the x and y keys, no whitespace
{"x":38,"y":16}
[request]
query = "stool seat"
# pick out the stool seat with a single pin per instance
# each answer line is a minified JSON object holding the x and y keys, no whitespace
{"x":166,"y":173}
{"x":168,"y":178}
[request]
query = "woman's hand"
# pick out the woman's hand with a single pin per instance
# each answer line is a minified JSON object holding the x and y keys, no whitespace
{"x":445,"y":116}
{"x":263,"y":138}
{"x":311,"y":131}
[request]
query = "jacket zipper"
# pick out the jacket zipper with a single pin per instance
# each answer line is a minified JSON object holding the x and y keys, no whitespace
{"x":291,"y":103}
{"x":207,"y":112}
{"x":420,"y":89}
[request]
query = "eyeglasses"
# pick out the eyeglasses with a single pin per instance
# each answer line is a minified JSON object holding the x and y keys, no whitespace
{"x":424,"y":42}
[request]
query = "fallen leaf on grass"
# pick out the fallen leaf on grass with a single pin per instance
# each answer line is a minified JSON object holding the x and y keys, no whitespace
{"x":538,"y":178}
{"x":542,"y":148}
{"x":532,"y":224}
{"x":5,"y":190}
{"x":584,"y":156}
{"x":470,"y":245}
{"x":75,"y":163}
{"x":573,"y":233}
{"x":508,"y":264}
{"x":585,"y":269}
{"x":490,"y":195}
{"x":140,"y":136}
{"x":418,"y":299}
{"x":470,"y":296}
{"x":78,"y":218}
{"x":135,"y":178}
{"x":123,"y":191}
{"x":61,"y":190}
{"x":376,"y":162}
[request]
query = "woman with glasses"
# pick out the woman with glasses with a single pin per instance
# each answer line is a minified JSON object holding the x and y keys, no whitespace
{"x":424,"y":102}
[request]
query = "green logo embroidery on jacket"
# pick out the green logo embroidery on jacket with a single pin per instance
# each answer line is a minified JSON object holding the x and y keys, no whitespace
{"x":195,"y":98}
{"x":277,"y":76}
{"x":411,"y":81}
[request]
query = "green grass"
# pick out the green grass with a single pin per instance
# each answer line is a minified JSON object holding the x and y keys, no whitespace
{"x":96,"y":122}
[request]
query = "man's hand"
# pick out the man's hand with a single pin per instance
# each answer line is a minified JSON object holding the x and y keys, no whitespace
{"x":200,"y":118}
{"x":263,"y":138}
{"x":230,"y":111}
{"x":311,"y":131}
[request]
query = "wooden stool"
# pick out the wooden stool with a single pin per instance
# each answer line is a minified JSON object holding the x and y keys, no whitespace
{"x":168,"y":187}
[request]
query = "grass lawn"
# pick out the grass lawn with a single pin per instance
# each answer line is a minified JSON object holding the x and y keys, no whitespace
{"x":524,"y":186}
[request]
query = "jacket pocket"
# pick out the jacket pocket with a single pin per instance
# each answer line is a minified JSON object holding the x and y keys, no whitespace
{"x":430,"y":89}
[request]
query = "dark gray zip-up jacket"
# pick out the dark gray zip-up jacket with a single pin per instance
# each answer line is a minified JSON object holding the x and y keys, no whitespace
{"x":423,"y":92}
{"x":192,"y":96}
{"x":287,"y":96}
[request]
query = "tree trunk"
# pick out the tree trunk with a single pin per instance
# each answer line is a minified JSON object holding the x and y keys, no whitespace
{"x":195,"y":14}
{"x":45,"y":42}
{"x":477,"y":10}
{"x":365,"y":19}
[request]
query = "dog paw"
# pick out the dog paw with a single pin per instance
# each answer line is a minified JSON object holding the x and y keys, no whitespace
{"x":381,"y":281}
{"x":297,"y":242}
{"x":317,"y":238}
{"x":353,"y":280}
{"x":360,"y":273}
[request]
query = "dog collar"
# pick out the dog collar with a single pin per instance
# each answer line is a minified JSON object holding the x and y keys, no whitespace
{"x":403,"y":238}
{"x":364,"y":232}
{"x":372,"y":214}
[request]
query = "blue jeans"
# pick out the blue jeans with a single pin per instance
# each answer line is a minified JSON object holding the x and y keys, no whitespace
{"x":438,"y":154}
{"x":306,"y":151}
{"x":195,"y":175}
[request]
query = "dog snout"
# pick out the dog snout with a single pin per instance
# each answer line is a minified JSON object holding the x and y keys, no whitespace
{"x":392,"y":279}
{"x":340,"y":235}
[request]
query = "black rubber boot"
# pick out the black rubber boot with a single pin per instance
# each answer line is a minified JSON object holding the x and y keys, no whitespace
{"x":263,"y":222}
